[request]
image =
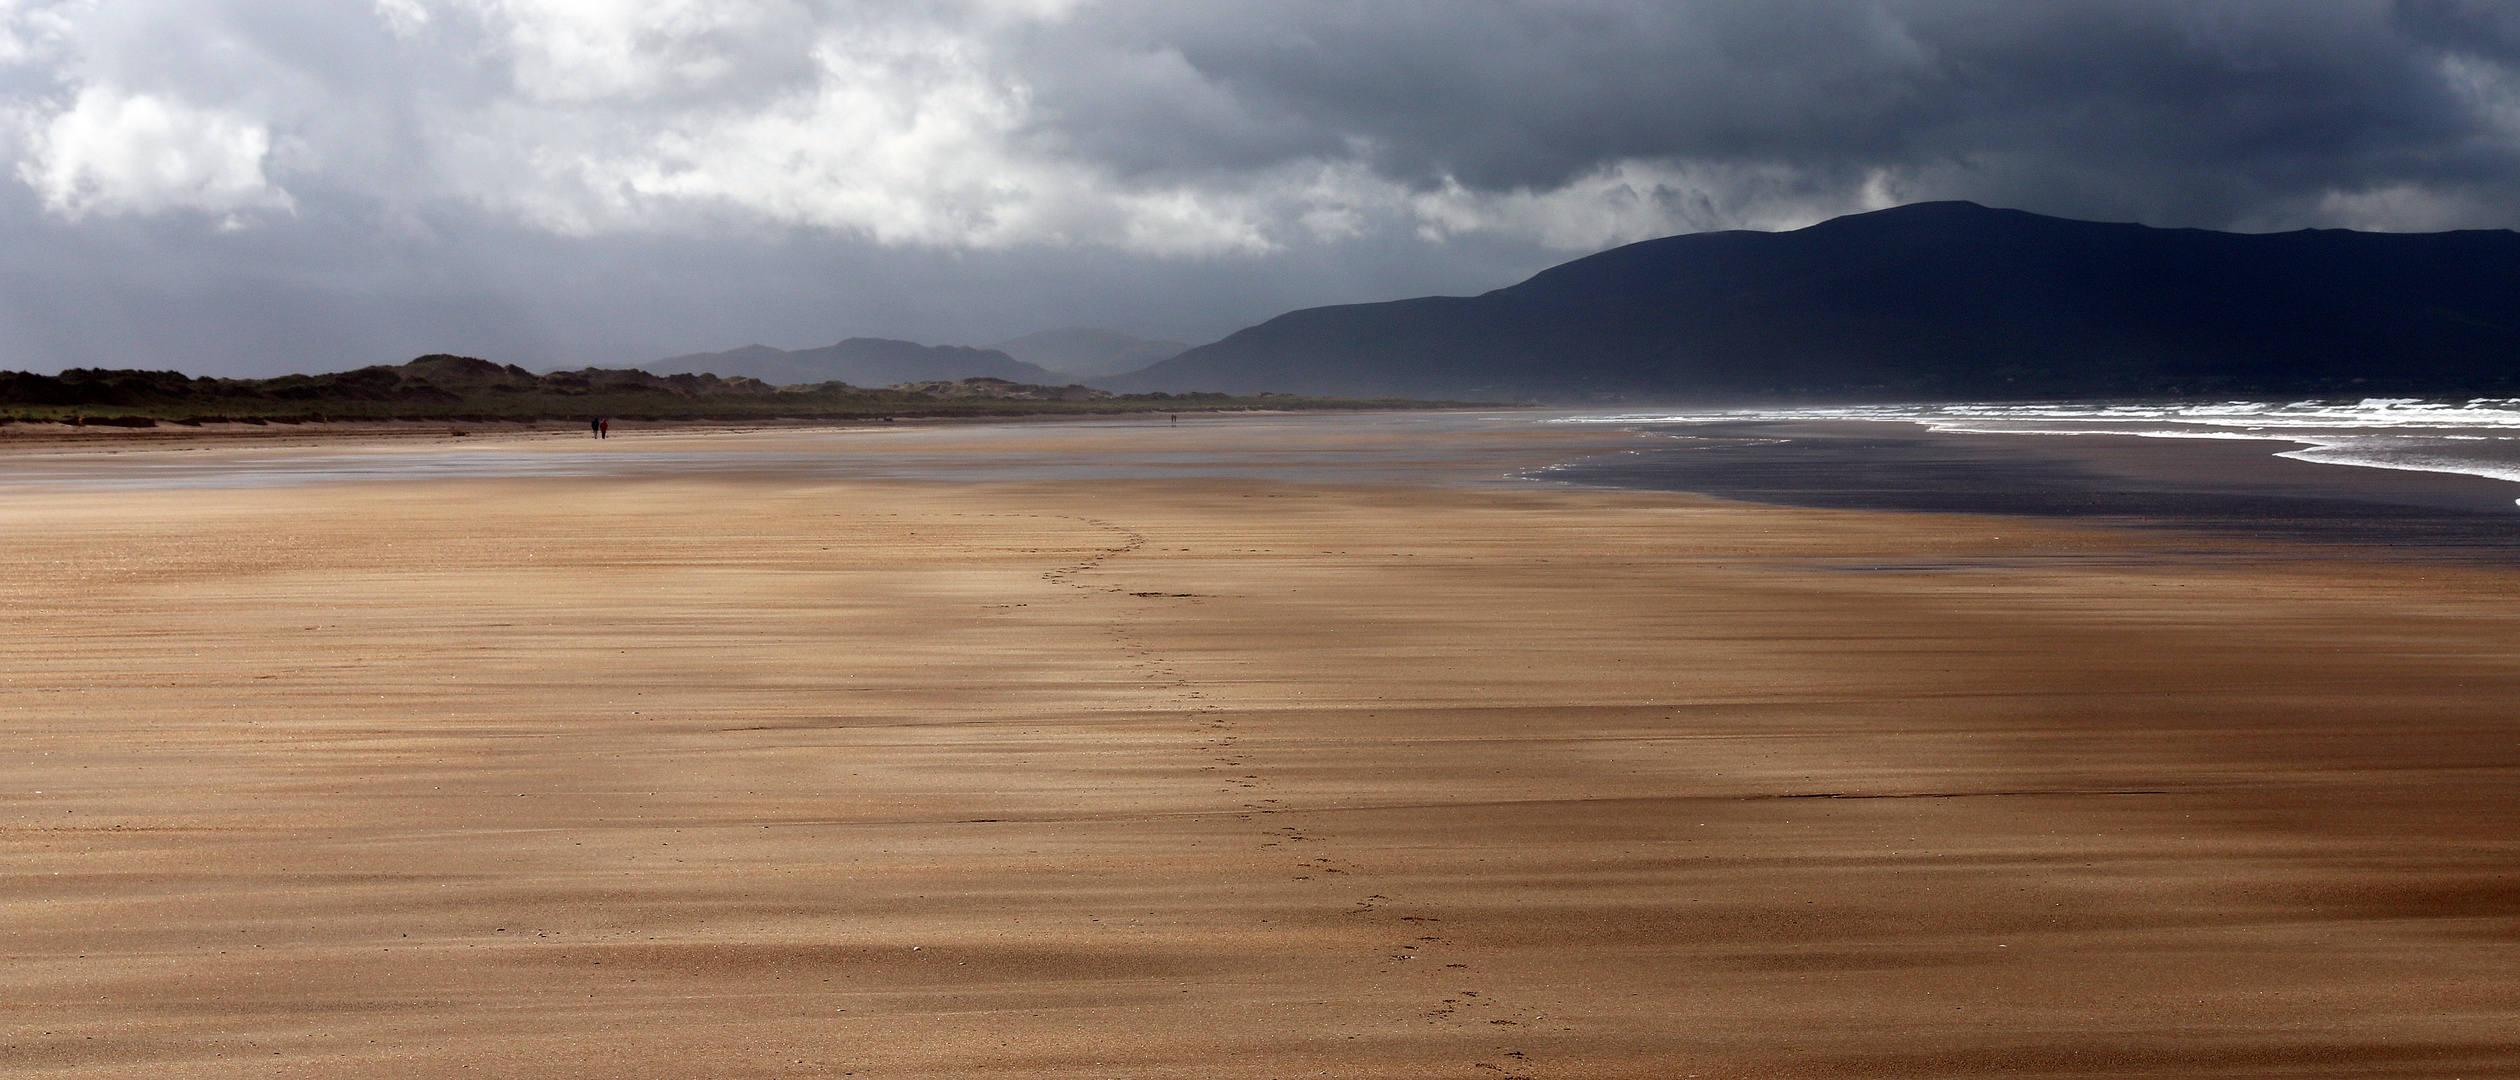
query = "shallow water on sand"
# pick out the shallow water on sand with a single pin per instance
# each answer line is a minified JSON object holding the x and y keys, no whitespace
{"x":1373,"y":447}
{"x":2392,"y":473}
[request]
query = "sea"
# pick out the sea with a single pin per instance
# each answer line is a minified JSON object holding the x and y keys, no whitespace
{"x":2440,"y":477}
{"x":2475,"y":437}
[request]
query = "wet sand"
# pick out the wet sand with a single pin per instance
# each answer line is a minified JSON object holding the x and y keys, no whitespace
{"x":2231,"y":487}
{"x":782,"y":774}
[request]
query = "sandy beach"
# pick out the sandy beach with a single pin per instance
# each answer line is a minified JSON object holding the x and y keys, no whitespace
{"x":928,"y":755}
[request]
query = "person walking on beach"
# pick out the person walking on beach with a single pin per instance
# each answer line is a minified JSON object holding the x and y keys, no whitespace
{"x":595,"y":427}
{"x":603,"y":428}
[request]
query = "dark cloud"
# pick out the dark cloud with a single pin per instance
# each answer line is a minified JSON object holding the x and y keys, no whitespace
{"x":2484,"y":28}
{"x":2202,"y":111}
{"x":256,"y":187}
{"x":1532,"y":94}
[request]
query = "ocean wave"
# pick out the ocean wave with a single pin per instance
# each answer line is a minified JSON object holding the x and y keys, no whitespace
{"x":2474,"y":437}
{"x":2384,"y":453}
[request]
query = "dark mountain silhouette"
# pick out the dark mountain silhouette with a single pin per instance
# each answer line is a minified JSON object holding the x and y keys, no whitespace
{"x":1085,"y":352}
{"x":861,"y":362}
{"x":440,"y":386}
{"x":1934,"y":301}
{"x":433,"y":380}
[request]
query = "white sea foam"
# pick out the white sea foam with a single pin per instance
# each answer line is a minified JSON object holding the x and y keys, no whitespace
{"x":2478,"y":437}
{"x":2384,"y":453}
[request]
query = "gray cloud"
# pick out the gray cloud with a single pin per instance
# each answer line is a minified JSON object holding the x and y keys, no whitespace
{"x":258,"y":187}
{"x":2205,"y":112}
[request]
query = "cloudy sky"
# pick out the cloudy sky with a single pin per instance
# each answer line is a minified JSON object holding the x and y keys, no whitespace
{"x":248,"y":187}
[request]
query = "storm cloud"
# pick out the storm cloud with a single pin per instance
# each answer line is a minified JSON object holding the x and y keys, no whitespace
{"x":256,"y":187}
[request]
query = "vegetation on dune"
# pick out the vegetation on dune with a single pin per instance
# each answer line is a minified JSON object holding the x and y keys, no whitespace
{"x":462,"y":388}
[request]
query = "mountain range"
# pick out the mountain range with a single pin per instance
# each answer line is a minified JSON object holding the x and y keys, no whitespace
{"x":1085,"y":352}
{"x":1931,"y":301}
{"x":468,"y":390}
{"x":860,"y":362}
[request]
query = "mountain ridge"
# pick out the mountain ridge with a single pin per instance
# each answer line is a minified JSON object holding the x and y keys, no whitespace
{"x":1085,"y":352}
{"x":861,"y":361}
{"x":1930,"y":301}
{"x":448,"y":387}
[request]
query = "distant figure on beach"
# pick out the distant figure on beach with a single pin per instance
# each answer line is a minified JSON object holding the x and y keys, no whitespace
{"x":603,"y":428}
{"x":1176,"y":418}
{"x":595,"y":426}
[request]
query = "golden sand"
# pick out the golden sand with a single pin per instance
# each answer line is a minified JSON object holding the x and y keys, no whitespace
{"x":787,"y":775}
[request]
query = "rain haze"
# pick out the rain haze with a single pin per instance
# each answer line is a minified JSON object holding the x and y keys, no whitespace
{"x":250,"y":189}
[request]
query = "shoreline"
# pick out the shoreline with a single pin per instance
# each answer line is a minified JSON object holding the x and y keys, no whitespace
{"x":2212,"y":489}
{"x":2216,"y":487}
{"x":1480,"y":448}
{"x":171,"y":435}
{"x":24,"y":435}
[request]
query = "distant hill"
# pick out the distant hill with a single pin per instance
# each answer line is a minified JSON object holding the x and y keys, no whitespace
{"x":1002,"y":390}
{"x":437,"y":384}
{"x":860,"y":362}
{"x":1085,"y":353}
{"x":1934,"y":301}
{"x":443,"y":387}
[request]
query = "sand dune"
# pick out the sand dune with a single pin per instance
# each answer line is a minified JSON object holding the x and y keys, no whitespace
{"x":782,"y":775}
